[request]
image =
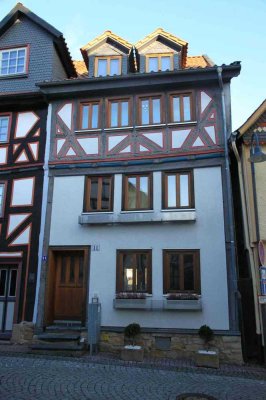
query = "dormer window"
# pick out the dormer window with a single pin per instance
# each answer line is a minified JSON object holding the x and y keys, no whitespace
{"x":159,"y":62}
{"x":107,"y":66}
{"x":13,"y":61}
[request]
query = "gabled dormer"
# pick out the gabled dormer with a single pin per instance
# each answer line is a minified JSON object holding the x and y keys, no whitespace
{"x":107,"y":55}
{"x":31,"y":51}
{"x":161,"y":51}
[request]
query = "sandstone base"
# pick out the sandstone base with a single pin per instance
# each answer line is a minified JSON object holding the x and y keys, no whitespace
{"x":181,"y":345}
{"x":22,"y":333}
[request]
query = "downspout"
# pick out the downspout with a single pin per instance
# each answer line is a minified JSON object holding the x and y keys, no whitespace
{"x":232,"y":281}
{"x":43,"y":209}
{"x":246,"y":232}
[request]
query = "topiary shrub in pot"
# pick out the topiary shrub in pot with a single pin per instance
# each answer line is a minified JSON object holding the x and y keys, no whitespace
{"x":132,"y":352}
{"x":206,"y":357}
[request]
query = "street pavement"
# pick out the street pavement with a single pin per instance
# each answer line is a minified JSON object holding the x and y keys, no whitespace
{"x":26,"y":377}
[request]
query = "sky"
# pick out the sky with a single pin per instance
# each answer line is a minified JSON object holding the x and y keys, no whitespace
{"x":225,"y":30}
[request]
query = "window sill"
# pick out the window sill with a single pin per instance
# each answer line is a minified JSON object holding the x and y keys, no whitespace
{"x":14,"y":76}
{"x":82,"y":131}
{"x":135,"y":217}
{"x":149,"y":126}
{"x":183,"y":123}
{"x":133,"y":304}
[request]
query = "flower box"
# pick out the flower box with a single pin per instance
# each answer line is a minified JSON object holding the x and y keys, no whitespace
{"x":131,"y":303}
{"x":207,"y":358}
{"x":132,"y":353}
{"x":182,"y":301}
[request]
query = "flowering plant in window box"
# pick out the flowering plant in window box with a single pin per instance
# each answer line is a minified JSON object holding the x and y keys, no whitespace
{"x":130,"y":295}
{"x":131,"y":300}
{"x":183,"y":296}
{"x":183,"y":301}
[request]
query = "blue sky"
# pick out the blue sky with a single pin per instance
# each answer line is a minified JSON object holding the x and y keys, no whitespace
{"x":225,"y":30}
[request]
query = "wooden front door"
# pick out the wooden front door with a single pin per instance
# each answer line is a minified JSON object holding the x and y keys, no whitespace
{"x":70,"y":289}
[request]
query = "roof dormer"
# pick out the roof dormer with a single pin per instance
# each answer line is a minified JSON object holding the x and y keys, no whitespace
{"x":161,"y":51}
{"x":107,"y":55}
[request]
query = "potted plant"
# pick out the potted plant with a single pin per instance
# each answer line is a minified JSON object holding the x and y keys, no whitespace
{"x":206,"y":357}
{"x":132,"y":352}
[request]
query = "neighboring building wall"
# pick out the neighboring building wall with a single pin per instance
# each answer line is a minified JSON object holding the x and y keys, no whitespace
{"x":260,"y":177}
{"x":206,"y":234}
{"x":58,"y":69}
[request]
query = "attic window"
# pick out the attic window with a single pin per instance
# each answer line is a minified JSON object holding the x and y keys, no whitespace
{"x":13,"y":61}
{"x":107,"y":66}
{"x":159,"y":62}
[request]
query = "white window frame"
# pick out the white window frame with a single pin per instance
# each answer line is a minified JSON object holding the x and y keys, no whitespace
{"x":9,"y":50}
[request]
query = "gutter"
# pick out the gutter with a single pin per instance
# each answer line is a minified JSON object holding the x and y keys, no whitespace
{"x":246,"y":231}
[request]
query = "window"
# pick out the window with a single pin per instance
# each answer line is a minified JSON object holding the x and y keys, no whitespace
{"x":4,"y":128}
{"x":150,"y":111}
{"x":178,"y":190}
{"x":181,"y":108}
{"x":107,"y":66}
{"x":118,"y":113}
{"x":2,"y":194}
{"x":137,"y":192}
{"x":181,"y":271}
{"x":133,"y":273}
{"x":98,"y":193}
{"x":89,"y":115}
{"x":161,"y":62}
{"x":13,"y":61}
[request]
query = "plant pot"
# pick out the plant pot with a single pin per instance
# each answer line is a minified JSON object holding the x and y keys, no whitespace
{"x":207,"y":358}
{"x":132,"y":353}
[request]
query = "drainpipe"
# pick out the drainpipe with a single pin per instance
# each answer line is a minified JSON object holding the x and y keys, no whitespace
{"x":232,"y":276}
{"x":247,"y":239}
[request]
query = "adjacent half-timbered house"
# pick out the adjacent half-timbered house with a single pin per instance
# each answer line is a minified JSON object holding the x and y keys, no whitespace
{"x":30,"y":51}
{"x":137,"y":213}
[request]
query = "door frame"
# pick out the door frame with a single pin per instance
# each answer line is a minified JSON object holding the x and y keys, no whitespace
{"x":51,"y":280}
{"x":8,"y":334}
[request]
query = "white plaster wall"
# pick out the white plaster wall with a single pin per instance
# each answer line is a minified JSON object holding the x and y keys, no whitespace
{"x":206,"y":234}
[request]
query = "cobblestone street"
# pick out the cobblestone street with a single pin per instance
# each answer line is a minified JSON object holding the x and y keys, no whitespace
{"x":26,"y":377}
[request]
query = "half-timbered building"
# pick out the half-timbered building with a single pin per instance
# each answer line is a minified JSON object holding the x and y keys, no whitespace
{"x":138,"y":198}
{"x":31,"y":51}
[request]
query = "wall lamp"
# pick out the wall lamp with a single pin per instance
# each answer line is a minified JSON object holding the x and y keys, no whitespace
{"x":256,"y":154}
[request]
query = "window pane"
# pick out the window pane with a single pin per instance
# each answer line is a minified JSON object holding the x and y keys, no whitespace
{"x":186,"y":103}
{"x":1,"y":198}
{"x":63,"y":270}
{"x":188,"y":272}
{"x":3,"y":128}
{"x":13,"y":283}
{"x":114,"y":114}
{"x":106,"y":193}
{"x":128,"y":272}
{"x":144,"y":191}
{"x":132,"y":192}
{"x":165,"y":63}
{"x":156,"y":111}
{"x":176,"y":109}
{"x":72,"y":270}
{"x":3,"y":277}
{"x":153,"y":64}
{"x":85,"y":117}
{"x":184,"y":195}
{"x":171,"y":193}
{"x":81,"y":272}
{"x":94,"y":194}
{"x":145,"y":111}
{"x":114,"y":66}
{"x":102,"y":67}
{"x":124,"y":113}
{"x":94,"y":118}
{"x":174,"y":271}
{"x":141,"y":273}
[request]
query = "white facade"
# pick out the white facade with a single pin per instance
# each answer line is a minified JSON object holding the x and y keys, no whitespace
{"x":205,"y":232}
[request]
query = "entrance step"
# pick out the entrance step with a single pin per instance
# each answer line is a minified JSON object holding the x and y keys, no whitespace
{"x":58,"y":337}
{"x":67,"y":349}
